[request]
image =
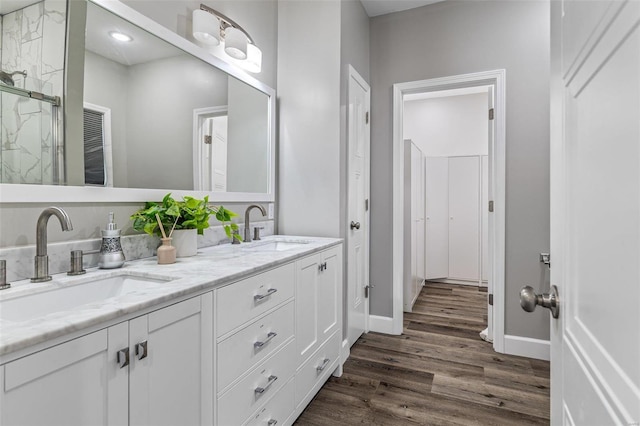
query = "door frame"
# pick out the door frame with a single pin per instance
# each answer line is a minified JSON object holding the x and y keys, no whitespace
{"x":497,"y":189}
{"x":199,"y":115}
{"x":353,"y":74}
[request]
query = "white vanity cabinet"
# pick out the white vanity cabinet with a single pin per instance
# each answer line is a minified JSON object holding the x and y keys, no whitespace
{"x":318,"y":321}
{"x":151,"y":370}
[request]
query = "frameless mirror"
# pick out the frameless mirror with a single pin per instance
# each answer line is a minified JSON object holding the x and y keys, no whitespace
{"x":154,"y":111}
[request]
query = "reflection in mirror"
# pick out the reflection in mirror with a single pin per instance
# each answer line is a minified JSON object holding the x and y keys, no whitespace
{"x":31,"y":67}
{"x":176,"y":122}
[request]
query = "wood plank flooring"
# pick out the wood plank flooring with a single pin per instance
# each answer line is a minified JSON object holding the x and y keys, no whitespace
{"x":438,"y":372}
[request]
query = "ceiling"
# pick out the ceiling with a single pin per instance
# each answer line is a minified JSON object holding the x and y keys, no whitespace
{"x":382,"y":7}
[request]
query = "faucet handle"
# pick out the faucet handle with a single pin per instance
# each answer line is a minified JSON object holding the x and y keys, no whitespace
{"x":3,"y":275}
{"x":235,"y":240}
{"x":256,"y":232}
{"x":76,"y":263}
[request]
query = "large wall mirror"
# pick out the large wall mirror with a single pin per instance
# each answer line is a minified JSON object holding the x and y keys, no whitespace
{"x":147,"y":112}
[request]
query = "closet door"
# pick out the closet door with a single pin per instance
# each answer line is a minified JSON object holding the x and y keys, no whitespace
{"x":437,"y":217}
{"x":464,"y":218}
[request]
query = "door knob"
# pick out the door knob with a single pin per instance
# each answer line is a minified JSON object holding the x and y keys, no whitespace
{"x":355,"y":225}
{"x":529,"y":300}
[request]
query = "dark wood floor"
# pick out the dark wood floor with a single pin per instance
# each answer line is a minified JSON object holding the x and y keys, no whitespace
{"x":438,"y":372}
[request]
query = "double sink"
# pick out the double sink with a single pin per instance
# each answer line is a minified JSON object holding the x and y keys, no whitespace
{"x":77,"y":293}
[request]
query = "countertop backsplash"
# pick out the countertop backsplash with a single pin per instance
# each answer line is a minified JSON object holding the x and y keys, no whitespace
{"x":20,"y":260}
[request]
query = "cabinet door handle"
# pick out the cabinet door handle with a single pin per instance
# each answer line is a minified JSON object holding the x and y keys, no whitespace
{"x":141,"y":350}
{"x":323,"y":365}
{"x":259,"y":344}
{"x":322,"y":266}
{"x":259,"y":297}
{"x":272,"y":422}
{"x":270,"y":381}
{"x":122,"y":357}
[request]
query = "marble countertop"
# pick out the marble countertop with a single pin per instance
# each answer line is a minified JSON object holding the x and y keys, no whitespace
{"x":210,"y":268}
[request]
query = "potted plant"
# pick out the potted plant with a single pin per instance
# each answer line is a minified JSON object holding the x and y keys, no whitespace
{"x":189,"y":216}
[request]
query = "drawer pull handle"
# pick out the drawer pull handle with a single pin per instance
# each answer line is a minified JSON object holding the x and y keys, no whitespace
{"x":141,"y":350}
{"x":122,"y":357}
{"x":323,"y":366}
{"x":270,"y":380}
{"x":259,"y":297}
{"x":270,"y":335}
{"x":272,"y":422}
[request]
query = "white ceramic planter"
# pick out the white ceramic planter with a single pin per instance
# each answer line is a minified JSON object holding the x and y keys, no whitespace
{"x":185,"y":241}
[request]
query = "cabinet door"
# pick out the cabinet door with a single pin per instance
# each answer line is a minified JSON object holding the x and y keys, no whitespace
{"x":330,"y":293}
{"x":307,"y":275}
{"x":171,"y":382}
{"x":464,"y":218}
{"x":74,"y":383}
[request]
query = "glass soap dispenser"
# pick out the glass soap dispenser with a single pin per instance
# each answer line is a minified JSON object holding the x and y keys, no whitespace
{"x":111,"y":255}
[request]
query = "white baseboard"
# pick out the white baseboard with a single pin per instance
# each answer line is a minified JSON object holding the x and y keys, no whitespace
{"x":380,"y":324}
{"x":526,"y":346}
{"x":475,"y":283}
{"x":345,"y":351}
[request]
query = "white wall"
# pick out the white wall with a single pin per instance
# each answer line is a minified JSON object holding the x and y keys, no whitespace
{"x":452,"y":38}
{"x":309,"y":189}
{"x":448,"y":126}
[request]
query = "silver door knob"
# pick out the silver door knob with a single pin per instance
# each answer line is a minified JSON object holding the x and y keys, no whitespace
{"x":355,"y":225}
{"x":529,"y":300}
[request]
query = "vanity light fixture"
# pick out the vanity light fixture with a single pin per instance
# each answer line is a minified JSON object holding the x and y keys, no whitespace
{"x":212,"y":28}
{"x":121,"y":36}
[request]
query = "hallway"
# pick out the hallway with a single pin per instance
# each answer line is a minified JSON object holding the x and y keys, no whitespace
{"x":438,"y":372}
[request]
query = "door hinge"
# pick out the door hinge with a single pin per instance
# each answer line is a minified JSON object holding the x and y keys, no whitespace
{"x":366,"y":205}
{"x":366,"y":117}
{"x":491,"y":299}
{"x":207,"y":139}
{"x":491,"y":206}
{"x":491,"y":113}
{"x":366,"y":291}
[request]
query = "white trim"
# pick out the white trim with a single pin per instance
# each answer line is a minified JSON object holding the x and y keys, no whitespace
{"x":385,"y":325}
{"x":526,"y":346}
{"x":496,"y":79}
{"x":345,"y":351}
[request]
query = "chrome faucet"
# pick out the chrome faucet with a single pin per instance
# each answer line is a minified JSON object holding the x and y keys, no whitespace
{"x":41,"y":259}
{"x":247,"y":229}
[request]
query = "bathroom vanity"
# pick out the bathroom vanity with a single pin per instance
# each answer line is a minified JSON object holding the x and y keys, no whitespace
{"x":235,"y":335}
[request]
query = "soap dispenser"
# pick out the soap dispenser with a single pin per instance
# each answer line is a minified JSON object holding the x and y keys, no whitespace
{"x":111,"y":255}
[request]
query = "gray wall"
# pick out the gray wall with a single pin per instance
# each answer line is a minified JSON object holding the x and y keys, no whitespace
{"x":309,"y":181}
{"x":453,"y":38}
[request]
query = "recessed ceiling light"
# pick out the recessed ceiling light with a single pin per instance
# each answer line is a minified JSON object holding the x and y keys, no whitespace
{"x":120,"y":36}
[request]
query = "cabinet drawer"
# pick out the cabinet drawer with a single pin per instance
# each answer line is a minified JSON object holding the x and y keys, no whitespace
{"x":244,"y":349}
{"x":317,"y":368}
{"x":251,"y":392}
{"x":240,"y":302}
{"x":278,"y":409}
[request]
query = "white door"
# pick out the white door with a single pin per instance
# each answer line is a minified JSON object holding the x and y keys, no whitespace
{"x":595,"y":231}
{"x":464,"y":218}
{"x":437,"y":223}
{"x":358,"y":207}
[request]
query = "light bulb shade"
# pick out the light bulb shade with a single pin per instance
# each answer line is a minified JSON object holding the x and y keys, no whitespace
{"x":206,"y":28}
{"x":235,"y":43}
{"x":254,"y":59}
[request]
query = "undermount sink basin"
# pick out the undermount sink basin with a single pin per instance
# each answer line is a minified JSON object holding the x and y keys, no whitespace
{"x":35,"y":305}
{"x":277,"y":245}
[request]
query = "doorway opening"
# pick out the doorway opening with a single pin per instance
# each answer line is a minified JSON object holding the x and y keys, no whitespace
{"x":492,"y":84}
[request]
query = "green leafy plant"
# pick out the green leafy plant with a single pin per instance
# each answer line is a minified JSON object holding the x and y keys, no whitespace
{"x":190,"y":213}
